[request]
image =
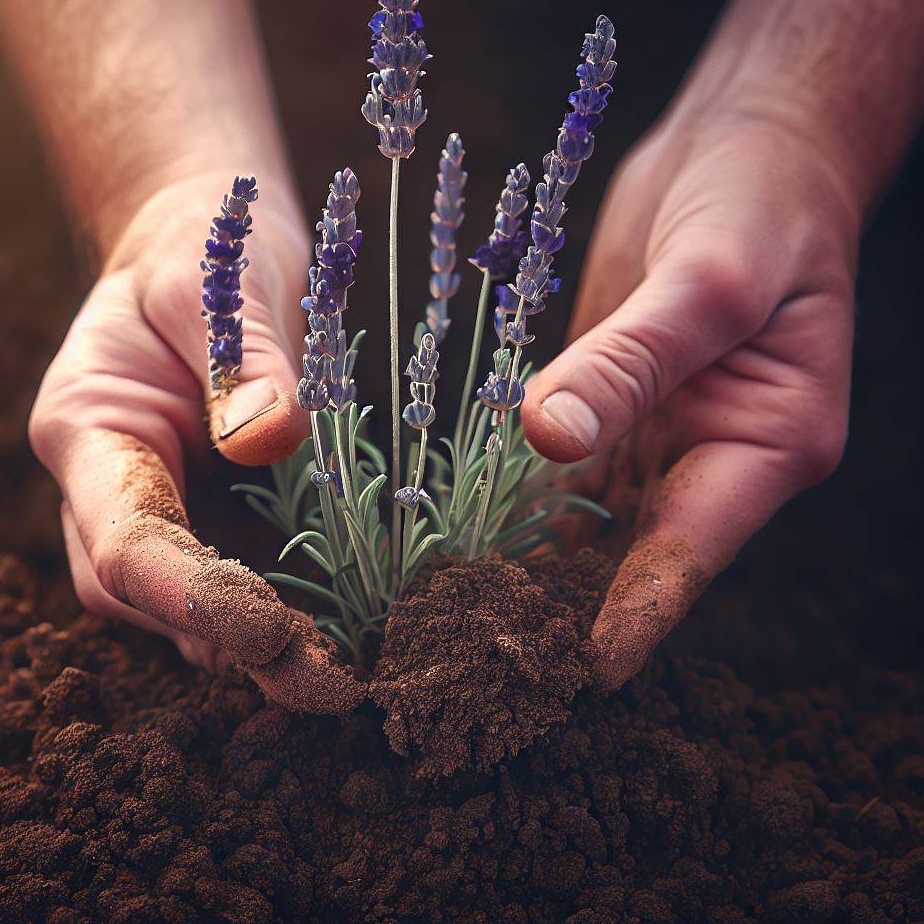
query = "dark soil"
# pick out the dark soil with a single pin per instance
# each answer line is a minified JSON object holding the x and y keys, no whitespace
{"x":134,"y":789}
{"x":476,"y":666}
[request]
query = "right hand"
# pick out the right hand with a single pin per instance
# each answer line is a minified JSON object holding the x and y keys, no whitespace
{"x":123,"y":400}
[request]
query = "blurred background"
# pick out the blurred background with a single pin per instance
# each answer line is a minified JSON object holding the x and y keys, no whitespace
{"x":832,"y":585}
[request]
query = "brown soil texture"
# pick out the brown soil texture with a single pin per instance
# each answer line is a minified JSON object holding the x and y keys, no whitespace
{"x":476,"y":666}
{"x":135,"y":789}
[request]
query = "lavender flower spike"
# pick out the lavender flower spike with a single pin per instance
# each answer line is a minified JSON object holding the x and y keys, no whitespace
{"x":507,"y":242}
{"x":445,"y":220}
{"x":394,"y":103}
{"x":575,"y":145}
{"x":420,"y":413}
{"x":327,"y":363}
{"x":223,"y":264}
{"x":503,"y":390}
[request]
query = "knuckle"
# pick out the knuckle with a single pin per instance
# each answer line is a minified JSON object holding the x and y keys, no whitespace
{"x":821,"y":452}
{"x":725,"y":288}
{"x":628,"y":371}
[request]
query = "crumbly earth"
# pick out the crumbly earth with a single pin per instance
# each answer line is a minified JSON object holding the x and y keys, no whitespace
{"x":135,"y":789}
{"x":476,"y":666}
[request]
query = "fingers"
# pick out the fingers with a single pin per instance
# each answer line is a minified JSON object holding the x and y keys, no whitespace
{"x":135,"y":558}
{"x":712,"y":501}
{"x":130,"y":521}
{"x":689,"y":311}
{"x":306,"y":677}
{"x":259,"y":422}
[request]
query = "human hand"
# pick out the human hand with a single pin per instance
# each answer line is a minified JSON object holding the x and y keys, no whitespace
{"x":721,"y":384}
{"x":122,"y":403}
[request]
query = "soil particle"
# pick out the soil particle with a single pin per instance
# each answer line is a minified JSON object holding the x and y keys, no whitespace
{"x":134,"y":788}
{"x":475,"y":667}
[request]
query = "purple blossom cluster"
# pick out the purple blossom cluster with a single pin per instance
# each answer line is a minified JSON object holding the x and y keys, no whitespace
{"x":327,"y":362}
{"x":562,"y":165}
{"x":223,"y":264}
{"x":507,"y":243}
{"x":535,"y":280}
{"x":447,"y":216}
{"x":394,"y":104}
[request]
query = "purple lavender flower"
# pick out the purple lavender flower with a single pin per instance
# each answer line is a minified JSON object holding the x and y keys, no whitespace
{"x":447,"y":216}
{"x":503,"y":391}
{"x":422,"y":372}
{"x":507,"y":303}
{"x":507,"y":242}
{"x":575,"y":144}
{"x":223,"y":264}
{"x":394,"y":103}
{"x":327,"y":364}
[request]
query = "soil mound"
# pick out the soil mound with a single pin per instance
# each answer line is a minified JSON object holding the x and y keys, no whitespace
{"x":476,"y":666}
{"x":134,"y":789}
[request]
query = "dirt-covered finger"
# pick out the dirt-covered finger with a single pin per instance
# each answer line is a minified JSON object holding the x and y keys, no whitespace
{"x":306,"y":676}
{"x":132,"y":524}
{"x":711,"y":502}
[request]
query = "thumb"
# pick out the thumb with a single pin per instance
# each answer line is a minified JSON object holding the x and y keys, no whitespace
{"x":688,"y":311}
{"x":259,"y":421}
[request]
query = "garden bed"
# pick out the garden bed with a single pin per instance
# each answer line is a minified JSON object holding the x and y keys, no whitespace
{"x":134,"y":788}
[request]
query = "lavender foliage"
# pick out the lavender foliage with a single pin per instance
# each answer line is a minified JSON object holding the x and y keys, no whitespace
{"x":223,"y":264}
{"x":394,"y":104}
{"x":327,"y":364}
{"x":507,"y":243}
{"x":447,"y":216}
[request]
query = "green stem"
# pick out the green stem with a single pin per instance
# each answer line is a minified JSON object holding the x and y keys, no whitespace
{"x":344,"y":458}
{"x":473,"y":359}
{"x":394,"y":334}
{"x":485,"y":500}
{"x":410,"y":516}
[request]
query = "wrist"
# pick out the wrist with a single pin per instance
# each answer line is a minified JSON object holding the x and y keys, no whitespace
{"x":844,"y":78}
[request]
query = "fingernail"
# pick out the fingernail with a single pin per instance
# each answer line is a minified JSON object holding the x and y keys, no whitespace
{"x":245,"y":403}
{"x":574,"y":415}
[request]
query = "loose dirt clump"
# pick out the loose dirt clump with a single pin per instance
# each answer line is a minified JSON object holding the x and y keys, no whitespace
{"x":476,"y":666}
{"x":136,"y":789}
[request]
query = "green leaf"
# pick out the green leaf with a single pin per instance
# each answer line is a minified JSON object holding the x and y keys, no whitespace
{"x":434,"y":512}
{"x":416,"y":557}
{"x":304,"y":537}
{"x":576,"y":502}
{"x":374,"y":454}
{"x":368,"y":499}
{"x":257,"y":491}
{"x":513,"y":531}
{"x":337,"y":633}
{"x":312,"y":588}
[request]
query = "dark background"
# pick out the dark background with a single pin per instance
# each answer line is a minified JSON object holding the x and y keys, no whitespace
{"x":832,"y":585}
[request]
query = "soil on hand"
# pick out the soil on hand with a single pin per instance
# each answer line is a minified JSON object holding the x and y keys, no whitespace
{"x":476,"y":666}
{"x":135,"y":789}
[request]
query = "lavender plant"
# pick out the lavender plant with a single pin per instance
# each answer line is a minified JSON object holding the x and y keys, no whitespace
{"x":482,"y":489}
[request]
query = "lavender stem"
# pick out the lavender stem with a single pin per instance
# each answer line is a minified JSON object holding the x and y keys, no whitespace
{"x":469,"y":385}
{"x":394,"y":333}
